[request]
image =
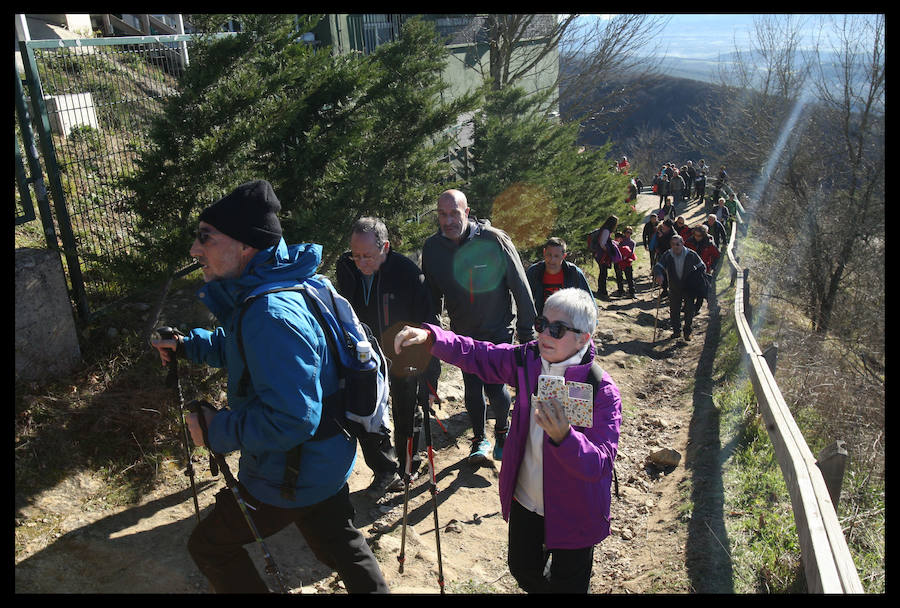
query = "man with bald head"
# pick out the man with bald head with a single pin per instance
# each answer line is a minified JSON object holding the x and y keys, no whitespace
{"x":474,"y":271}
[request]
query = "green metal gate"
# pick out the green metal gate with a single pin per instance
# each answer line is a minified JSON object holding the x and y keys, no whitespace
{"x":91,"y":102}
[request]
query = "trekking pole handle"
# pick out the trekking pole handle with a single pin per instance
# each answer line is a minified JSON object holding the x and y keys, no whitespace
{"x":171,"y":333}
{"x":216,"y":461}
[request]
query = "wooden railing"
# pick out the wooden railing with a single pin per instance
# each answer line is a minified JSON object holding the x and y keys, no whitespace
{"x":826,"y":559}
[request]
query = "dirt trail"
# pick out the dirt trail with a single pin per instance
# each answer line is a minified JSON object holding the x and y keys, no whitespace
{"x":652,"y":548}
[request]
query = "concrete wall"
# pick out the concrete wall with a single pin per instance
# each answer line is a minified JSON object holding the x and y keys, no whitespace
{"x":46,"y":340}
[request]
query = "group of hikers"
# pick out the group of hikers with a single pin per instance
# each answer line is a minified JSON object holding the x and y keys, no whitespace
{"x":555,"y":475}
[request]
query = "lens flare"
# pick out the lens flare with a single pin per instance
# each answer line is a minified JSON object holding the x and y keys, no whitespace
{"x":526,"y":213}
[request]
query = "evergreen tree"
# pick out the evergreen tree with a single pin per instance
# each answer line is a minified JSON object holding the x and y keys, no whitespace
{"x":338,"y":136}
{"x":533,"y":181}
{"x":378,"y":151}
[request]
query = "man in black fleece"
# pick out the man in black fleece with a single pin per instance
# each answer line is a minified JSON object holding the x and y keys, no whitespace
{"x":387,"y":291}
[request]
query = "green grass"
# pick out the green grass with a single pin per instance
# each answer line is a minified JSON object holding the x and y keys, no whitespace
{"x":763,"y":541}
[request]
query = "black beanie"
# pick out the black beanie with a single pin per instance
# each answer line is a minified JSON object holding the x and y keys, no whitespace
{"x":249,"y":215}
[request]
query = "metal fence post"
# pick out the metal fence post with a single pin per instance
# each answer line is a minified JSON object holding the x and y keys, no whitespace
{"x":832,"y":461}
{"x":70,"y":247}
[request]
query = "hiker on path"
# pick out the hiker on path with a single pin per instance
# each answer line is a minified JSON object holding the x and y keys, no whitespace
{"x":605,"y":253}
{"x":677,"y":186}
{"x":664,"y":235}
{"x":681,"y":228}
{"x":716,"y":230}
{"x":553,"y":273}
{"x":721,"y":211}
{"x":719,"y":183}
{"x":626,"y":248}
{"x":291,"y":371}
{"x":702,"y":243}
{"x":667,"y":211}
{"x":690,"y":177}
{"x":387,"y":290}
{"x":648,"y":236}
{"x":474,"y":270}
{"x":685,"y":273}
{"x":556,"y":476}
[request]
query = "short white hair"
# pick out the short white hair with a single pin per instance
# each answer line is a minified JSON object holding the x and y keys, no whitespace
{"x":576,"y":304}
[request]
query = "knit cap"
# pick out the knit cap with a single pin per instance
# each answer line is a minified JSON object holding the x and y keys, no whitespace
{"x":249,"y":215}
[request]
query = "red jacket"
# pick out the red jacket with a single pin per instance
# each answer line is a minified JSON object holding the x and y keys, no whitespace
{"x":707,"y":251}
{"x":627,"y":257}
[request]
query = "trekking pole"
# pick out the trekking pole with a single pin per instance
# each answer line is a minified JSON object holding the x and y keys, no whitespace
{"x":656,"y":320}
{"x":407,"y":480}
{"x":172,"y":380}
{"x":154,"y":315}
{"x":196,"y":407}
{"x":433,"y":488}
{"x":431,"y":411}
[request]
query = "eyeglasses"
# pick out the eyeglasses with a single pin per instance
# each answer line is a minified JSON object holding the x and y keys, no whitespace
{"x":557,"y":328}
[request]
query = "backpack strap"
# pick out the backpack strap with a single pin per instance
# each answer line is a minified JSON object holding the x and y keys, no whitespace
{"x":595,"y":376}
{"x":520,"y":354}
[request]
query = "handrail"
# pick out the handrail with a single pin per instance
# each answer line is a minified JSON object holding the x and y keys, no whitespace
{"x":826,"y":558}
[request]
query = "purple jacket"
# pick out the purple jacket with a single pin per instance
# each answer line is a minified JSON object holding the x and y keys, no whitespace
{"x":578,"y":471}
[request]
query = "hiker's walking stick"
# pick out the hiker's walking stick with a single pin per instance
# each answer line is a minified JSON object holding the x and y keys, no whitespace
{"x":433,"y":487}
{"x":170,"y":333}
{"x":426,"y":424}
{"x":217,"y":461}
{"x":656,"y":320}
{"x":407,"y":479}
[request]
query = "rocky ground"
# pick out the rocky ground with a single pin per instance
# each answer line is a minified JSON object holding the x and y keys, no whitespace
{"x":665,"y":521}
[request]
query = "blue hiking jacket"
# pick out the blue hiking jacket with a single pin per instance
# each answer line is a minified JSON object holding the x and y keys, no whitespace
{"x":290,"y":369}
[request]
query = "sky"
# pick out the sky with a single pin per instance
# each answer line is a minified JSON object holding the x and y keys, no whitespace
{"x":706,"y":36}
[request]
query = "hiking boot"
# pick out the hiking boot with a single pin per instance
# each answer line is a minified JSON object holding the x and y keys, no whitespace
{"x":499,"y":441}
{"x":478,"y":454}
{"x":687,"y":335}
{"x":384,"y":483}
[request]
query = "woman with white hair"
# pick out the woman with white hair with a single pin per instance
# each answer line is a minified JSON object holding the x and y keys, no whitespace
{"x":555,"y":476}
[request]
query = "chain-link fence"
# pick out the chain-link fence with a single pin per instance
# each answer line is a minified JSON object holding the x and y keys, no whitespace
{"x":92,"y":102}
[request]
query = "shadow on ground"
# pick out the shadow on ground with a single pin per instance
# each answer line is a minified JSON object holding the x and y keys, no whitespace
{"x":706,"y":555}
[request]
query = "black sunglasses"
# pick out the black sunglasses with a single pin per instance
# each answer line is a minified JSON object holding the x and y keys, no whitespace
{"x":557,"y":328}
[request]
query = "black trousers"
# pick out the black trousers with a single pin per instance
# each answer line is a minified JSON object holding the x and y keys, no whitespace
{"x":407,"y":418}
{"x":569,"y":570}
{"x":678,"y":302}
{"x":629,"y":277}
{"x":474,"y":391}
{"x":603,"y":273}
{"x":379,"y":454}
{"x":217,"y":543}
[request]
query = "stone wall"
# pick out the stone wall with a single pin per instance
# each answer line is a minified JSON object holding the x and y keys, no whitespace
{"x":46,"y":341}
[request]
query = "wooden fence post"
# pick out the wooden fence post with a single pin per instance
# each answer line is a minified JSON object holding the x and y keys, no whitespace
{"x":832,"y":461}
{"x":771,"y":357}
{"x":748,"y":311}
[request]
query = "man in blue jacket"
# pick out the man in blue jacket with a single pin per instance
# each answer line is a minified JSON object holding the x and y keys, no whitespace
{"x":291,"y":371}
